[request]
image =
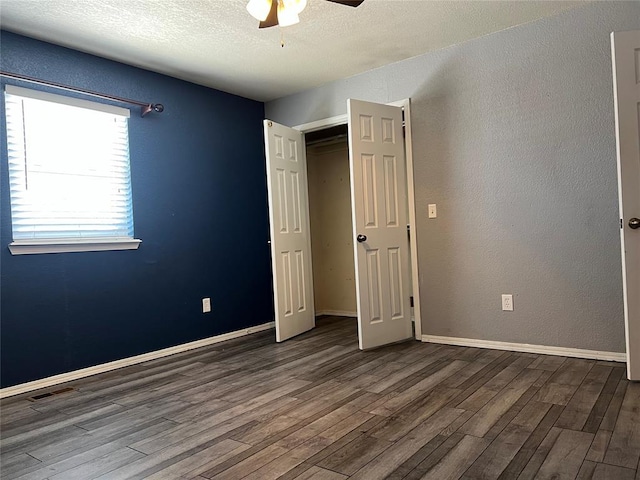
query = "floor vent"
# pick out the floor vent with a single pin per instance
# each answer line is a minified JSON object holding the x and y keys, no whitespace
{"x":41,"y":396}
{"x":35,"y":398}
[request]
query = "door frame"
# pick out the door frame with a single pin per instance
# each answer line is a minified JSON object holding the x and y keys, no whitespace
{"x":405,"y":104}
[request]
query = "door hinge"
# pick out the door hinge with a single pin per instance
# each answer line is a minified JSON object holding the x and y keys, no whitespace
{"x":411,"y":301}
{"x":621,"y":224}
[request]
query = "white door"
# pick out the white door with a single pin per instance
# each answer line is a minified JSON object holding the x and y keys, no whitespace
{"x":625,"y":49}
{"x":379,"y":210}
{"x":289,"y":225}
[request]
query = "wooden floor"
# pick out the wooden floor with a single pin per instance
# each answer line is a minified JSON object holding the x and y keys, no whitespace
{"x":316,"y":407}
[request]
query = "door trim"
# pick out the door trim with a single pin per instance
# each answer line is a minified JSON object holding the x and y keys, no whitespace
{"x":411,"y":199}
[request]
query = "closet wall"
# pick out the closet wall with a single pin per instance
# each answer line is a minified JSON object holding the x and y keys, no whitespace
{"x":331,"y":230}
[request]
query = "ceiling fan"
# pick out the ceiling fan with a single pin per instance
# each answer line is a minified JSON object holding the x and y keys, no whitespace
{"x":284,"y":12}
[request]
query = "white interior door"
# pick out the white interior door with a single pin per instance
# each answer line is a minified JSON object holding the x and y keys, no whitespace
{"x":625,"y":48}
{"x":289,"y":225}
{"x":379,"y":203}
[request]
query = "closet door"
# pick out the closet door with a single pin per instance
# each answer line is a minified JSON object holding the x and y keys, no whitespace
{"x":289,"y":224}
{"x":379,"y":203}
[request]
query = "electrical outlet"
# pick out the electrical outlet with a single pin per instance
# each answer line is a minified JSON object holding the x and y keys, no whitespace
{"x":206,"y":305}
{"x":507,"y":302}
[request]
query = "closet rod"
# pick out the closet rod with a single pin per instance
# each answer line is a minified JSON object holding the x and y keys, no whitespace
{"x":144,"y":106}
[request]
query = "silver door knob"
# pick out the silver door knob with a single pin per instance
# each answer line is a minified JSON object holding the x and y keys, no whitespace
{"x":361,"y":238}
{"x":634,"y":223}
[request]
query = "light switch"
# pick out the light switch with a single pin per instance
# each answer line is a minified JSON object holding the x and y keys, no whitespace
{"x":433,"y":213}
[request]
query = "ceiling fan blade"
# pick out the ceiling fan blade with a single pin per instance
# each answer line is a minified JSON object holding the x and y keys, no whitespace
{"x":349,"y":3}
{"x":272,"y":18}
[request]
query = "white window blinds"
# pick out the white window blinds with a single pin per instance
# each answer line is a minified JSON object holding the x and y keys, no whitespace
{"x":68,"y":168}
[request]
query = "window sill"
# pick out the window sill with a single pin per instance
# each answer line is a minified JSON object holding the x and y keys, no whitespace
{"x":29,"y":247}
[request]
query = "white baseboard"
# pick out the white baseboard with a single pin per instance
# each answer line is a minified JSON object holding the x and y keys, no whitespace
{"x":464,"y":342}
{"x":525,"y":347}
{"x":125,"y":362}
{"x":336,"y":313}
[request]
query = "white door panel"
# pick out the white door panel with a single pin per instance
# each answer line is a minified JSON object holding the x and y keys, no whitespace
{"x":290,"y":235}
{"x":625,"y":48}
{"x":379,"y":202}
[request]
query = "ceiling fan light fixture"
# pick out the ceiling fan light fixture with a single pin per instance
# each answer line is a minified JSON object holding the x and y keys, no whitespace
{"x":284,"y":13}
{"x":287,"y":13}
{"x":259,"y":9}
{"x":300,"y":5}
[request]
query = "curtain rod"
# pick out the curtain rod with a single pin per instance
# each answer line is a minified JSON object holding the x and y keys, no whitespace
{"x":144,"y":106}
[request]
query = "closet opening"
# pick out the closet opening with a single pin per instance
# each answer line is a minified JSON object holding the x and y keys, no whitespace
{"x":330,"y":216}
{"x":318,"y":267}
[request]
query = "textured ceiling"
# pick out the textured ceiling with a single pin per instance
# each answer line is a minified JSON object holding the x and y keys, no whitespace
{"x":217,"y":43}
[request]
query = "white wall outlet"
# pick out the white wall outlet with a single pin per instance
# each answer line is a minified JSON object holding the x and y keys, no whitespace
{"x":433,"y":212}
{"x":507,"y":302}
{"x":206,"y":305}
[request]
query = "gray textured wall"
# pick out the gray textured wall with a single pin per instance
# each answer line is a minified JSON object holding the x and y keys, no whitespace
{"x":514,"y":141}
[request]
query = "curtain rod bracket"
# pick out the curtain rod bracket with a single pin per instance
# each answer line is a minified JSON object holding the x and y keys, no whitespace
{"x":152,"y":107}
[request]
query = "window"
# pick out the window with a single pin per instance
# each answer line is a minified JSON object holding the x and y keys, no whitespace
{"x":69,"y":174}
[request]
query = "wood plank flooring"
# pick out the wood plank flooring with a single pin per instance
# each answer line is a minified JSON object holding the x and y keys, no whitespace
{"x":317,"y":408}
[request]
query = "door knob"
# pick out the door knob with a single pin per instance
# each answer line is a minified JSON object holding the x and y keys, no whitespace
{"x":633,"y":223}
{"x":363,"y":238}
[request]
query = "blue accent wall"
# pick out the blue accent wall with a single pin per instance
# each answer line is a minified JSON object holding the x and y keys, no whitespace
{"x":200,"y":209}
